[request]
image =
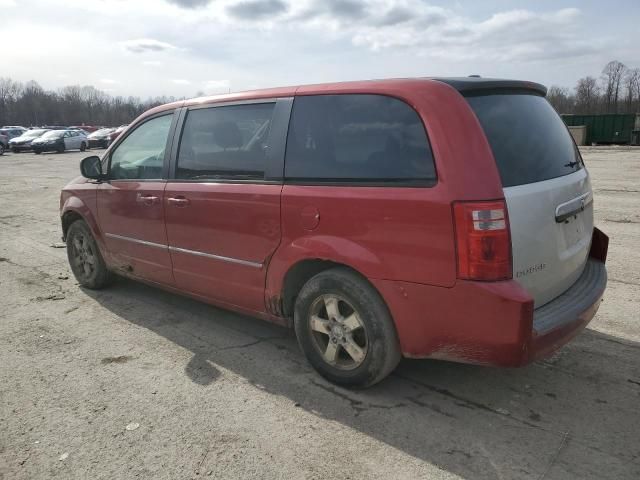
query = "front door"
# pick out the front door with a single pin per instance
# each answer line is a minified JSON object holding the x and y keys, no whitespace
{"x":69,"y":140}
{"x":222,"y":215}
{"x":130,"y":203}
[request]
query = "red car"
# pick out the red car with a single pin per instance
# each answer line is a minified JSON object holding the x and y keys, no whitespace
{"x":116,"y":133}
{"x":86,"y":128}
{"x":446,"y":218}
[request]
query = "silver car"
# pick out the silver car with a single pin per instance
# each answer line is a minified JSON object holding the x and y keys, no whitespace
{"x":23,"y":142}
{"x":60,"y":140}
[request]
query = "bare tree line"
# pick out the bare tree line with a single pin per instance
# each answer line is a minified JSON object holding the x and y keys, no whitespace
{"x":29,"y":104}
{"x":616,"y":91}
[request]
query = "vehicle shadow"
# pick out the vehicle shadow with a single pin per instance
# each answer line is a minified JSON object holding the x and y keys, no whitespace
{"x":573,"y":416}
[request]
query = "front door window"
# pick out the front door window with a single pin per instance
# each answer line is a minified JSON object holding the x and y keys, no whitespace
{"x":141,"y":154}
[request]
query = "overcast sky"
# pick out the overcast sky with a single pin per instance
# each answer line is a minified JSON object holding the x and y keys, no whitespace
{"x":180,"y":47}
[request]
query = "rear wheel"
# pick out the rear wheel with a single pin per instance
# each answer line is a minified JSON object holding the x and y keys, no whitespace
{"x":345,"y":329}
{"x":60,"y":149}
{"x":1,"y":149}
{"x":84,"y":257}
{"x":37,"y":152}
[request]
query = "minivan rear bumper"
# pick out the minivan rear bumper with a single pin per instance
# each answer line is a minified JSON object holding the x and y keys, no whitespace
{"x":493,"y":323}
{"x":557,"y":322}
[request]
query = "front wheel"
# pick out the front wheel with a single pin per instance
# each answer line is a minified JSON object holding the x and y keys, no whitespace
{"x":345,"y":329}
{"x":83,"y":147}
{"x":1,"y":149}
{"x":84,"y":257}
{"x":37,"y":152}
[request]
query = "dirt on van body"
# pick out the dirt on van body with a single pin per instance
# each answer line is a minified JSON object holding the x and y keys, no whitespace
{"x":132,"y":382}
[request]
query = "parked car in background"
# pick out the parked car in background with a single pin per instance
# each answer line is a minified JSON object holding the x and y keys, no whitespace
{"x":86,"y":128}
{"x":7,"y":133}
{"x":4,"y":143}
{"x":116,"y":133}
{"x":12,"y":132}
{"x":442,"y":218}
{"x":23,"y":142}
{"x":59,"y":141}
{"x":100,"y":138}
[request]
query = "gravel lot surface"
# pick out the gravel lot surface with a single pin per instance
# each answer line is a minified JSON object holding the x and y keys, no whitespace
{"x":132,"y":382}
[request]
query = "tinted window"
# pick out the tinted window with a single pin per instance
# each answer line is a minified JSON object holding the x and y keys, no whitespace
{"x":357,"y":138}
{"x":528,"y":138}
{"x":141,"y":154}
{"x":225,"y":142}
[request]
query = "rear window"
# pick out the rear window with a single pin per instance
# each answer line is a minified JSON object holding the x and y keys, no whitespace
{"x":357,"y":139}
{"x":530,"y":142}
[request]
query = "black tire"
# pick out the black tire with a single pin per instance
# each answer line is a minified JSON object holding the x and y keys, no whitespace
{"x":15,"y":150}
{"x":60,"y":149}
{"x":83,"y":147}
{"x":377,"y":334}
{"x":37,"y":152}
{"x":85,"y":259}
{"x":1,"y":149}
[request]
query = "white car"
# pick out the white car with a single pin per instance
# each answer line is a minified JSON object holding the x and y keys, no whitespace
{"x":60,"y":140}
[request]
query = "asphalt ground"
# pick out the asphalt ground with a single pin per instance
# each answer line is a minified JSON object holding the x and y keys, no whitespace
{"x":133,"y":382}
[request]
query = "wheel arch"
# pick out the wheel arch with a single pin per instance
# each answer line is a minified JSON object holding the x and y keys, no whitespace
{"x":74,"y":208}
{"x":295,"y":262}
{"x":302,"y":271}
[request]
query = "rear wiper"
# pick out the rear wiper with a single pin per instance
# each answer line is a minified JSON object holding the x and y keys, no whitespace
{"x":571,"y":164}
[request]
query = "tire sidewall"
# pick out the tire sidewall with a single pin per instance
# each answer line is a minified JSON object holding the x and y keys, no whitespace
{"x":381,"y":336}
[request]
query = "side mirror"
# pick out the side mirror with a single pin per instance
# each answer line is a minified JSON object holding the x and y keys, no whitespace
{"x":91,"y":167}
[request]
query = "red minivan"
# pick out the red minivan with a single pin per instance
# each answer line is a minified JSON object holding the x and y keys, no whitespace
{"x":446,"y":218}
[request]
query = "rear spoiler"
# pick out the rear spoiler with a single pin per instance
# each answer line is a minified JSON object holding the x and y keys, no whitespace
{"x":478,"y":85}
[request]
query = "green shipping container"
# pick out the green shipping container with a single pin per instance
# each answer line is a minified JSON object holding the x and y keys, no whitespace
{"x":606,"y":128}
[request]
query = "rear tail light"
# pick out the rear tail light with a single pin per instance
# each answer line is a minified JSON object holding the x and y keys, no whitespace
{"x":482,"y":240}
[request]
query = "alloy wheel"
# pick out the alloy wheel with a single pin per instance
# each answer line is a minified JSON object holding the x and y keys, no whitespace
{"x":338,"y":332}
{"x":83,"y":255}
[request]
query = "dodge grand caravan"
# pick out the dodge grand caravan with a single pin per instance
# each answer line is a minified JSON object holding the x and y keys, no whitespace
{"x":446,"y":218}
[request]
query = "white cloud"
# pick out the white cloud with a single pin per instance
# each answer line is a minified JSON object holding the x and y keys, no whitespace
{"x":144,"y":45}
{"x":438,"y":32}
{"x":181,"y":81}
{"x":152,"y":63}
{"x":109,"y":81}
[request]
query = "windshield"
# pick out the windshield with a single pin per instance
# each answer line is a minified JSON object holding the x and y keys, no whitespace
{"x":33,"y":133}
{"x":529,"y":140}
{"x":54,"y":134}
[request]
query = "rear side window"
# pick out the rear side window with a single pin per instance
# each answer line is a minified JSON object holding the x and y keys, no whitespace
{"x":357,"y":139}
{"x":529,"y":140}
{"x":225,"y":142}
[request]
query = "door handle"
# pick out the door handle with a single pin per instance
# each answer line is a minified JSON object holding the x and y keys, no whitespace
{"x":178,"y":201}
{"x":146,"y":199}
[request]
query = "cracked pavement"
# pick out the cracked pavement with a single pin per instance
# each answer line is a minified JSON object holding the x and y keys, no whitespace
{"x":221,"y":395}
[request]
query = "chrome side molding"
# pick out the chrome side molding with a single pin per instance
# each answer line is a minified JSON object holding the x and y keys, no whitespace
{"x":187,"y":251}
{"x":216,"y":257}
